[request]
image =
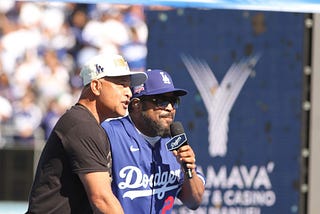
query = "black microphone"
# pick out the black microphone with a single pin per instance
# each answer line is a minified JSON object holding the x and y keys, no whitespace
{"x":178,"y":139}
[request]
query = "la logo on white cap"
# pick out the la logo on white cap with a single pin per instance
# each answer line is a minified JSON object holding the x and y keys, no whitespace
{"x":99,"y":68}
{"x":165,"y":78}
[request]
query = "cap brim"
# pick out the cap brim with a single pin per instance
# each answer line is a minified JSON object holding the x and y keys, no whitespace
{"x":180,"y":92}
{"x":138,"y":78}
{"x":176,"y":91}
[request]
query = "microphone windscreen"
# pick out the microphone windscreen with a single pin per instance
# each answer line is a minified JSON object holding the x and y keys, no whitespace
{"x":176,"y":128}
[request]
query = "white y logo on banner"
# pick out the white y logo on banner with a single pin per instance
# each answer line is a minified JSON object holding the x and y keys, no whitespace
{"x":219,"y":99}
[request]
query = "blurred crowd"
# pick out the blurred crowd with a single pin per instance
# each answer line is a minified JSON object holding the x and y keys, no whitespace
{"x":42,"y":48}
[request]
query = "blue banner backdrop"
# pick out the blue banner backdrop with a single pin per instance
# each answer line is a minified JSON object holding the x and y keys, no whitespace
{"x":244,"y":128}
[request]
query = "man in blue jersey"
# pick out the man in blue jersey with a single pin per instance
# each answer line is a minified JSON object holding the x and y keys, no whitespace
{"x":146,"y":176}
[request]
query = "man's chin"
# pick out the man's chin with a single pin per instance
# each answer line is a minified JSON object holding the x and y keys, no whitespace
{"x":120,"y":114}
{"x":167,"y":121}
{"x":164,"y":132}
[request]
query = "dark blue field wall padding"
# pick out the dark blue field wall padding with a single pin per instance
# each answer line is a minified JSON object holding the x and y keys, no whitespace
{"x":259,"y":170}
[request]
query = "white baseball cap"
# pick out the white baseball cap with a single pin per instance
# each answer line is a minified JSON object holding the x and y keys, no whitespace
{"x":110,"y":65}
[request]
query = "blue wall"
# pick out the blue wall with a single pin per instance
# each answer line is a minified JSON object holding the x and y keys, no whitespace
{"x":264,"y":125}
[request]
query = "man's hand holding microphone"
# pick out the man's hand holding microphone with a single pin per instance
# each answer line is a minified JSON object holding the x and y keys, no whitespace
{"x":178,"y":144}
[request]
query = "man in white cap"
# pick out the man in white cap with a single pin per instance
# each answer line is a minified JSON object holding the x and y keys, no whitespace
{"x":74,"y":171}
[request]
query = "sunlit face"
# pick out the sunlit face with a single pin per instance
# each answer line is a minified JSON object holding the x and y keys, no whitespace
{"x":115,"y":95}
{"x":158,"y":113}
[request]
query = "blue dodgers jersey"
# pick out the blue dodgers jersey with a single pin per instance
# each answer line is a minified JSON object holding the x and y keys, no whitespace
{"x":146,"y":179}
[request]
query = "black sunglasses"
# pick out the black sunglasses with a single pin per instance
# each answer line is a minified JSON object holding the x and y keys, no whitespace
{"x":162,"y":101}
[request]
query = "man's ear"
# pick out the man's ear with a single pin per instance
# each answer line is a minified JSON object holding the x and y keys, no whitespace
{"x":136,"y":102}
{"x":95,"y":86}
